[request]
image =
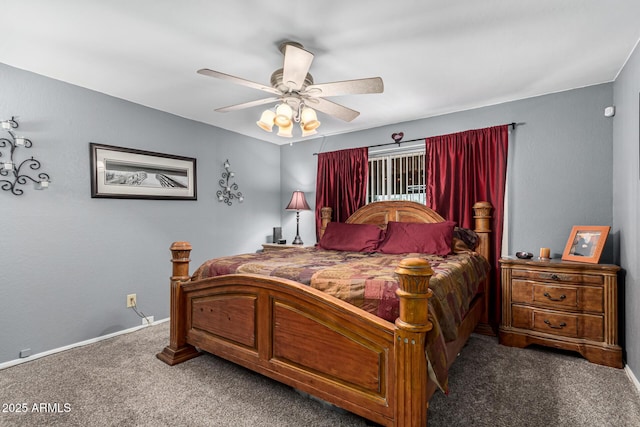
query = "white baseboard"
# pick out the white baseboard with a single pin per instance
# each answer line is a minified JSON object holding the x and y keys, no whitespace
{"x":632,"y":377}
{"x":78,"y":344}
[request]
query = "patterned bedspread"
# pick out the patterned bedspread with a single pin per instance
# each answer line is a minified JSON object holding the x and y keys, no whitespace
{"x":368,"y":281}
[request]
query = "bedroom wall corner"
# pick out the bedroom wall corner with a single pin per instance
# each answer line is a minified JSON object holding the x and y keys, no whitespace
{"x":626,"y":202}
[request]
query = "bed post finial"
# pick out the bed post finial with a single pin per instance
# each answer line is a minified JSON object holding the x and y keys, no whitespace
{"x":482,"y":215}
{"x":178,"y":350}
{"x":409,"y":338}
{"x":180,"y":252}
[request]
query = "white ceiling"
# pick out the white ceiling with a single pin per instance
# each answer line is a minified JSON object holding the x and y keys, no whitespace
{"x":435,"y":56}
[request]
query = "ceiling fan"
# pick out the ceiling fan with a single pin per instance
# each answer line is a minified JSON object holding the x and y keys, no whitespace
{"x":293,"y":89}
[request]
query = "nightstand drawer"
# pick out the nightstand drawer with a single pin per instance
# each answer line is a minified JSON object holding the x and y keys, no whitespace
{"x":565,"y":324}
{"x":582,"y":298}
{"x":557,"y":276}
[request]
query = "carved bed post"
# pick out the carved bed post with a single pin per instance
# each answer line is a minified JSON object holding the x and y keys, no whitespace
{"x":178,"y":350}
{"x":325,"y":217}
{"x":482,"y":216}
{"x":409,"y":339}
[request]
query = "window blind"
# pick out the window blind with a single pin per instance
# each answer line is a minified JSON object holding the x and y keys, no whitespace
{"x":397,"y":177}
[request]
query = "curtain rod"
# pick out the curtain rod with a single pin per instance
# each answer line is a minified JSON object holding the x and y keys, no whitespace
{"x":512,"y":124}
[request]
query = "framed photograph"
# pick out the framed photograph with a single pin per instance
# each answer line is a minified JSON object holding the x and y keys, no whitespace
{"x":585,"y":243}
{"x":124,"y":173}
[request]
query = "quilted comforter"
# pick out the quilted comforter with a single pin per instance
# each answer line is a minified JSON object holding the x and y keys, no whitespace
{"x":368,"y":281}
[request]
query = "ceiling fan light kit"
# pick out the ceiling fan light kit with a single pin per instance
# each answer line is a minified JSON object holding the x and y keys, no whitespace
{"x":294,"y":90}
{"x":309,"y":119}
{"x":284,"y":115}
{"x":286,"y":131}
{"x":266,"y":120}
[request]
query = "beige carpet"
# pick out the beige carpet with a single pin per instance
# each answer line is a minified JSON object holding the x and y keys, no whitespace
{"x":119,"y":382}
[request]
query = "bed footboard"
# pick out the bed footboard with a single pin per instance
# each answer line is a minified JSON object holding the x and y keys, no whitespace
{"x":309,"y":340}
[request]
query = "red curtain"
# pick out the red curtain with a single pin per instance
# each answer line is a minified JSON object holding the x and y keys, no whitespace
{"x":462,"y":169}
{"x":341,"y":182}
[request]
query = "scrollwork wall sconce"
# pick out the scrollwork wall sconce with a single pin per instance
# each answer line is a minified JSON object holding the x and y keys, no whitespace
{"x":14,"y":172}
{"x":229,"y":189}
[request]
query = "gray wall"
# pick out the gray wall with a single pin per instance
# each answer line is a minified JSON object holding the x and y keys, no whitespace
{"x":68,"y":261}
{"x":560,"y":172}
{"x":626,"y":200}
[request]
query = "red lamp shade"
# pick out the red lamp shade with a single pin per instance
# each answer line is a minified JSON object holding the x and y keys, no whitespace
{"x":298,"y":202}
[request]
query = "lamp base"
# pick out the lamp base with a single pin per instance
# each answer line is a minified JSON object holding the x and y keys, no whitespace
{"x":297,"y":241}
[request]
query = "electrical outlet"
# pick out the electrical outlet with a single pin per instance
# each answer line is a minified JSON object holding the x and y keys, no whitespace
{"x":131,"y":300}
{"x":147,"y":321}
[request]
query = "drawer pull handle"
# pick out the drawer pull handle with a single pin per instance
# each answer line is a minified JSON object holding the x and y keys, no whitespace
{"x":562,"y":297}
{"x":555,"y":277}
{"x":562,"y":325}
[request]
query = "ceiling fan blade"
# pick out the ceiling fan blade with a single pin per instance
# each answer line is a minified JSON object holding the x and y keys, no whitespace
{"x":297,"y":62}
{"x":346,"y":87}
{"x":247,"y":104}
{"x":238,"y":80}
{"x":331,"y":108}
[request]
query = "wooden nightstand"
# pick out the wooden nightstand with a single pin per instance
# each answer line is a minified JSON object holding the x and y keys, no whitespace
{"x":566,"y":305}
{"x":277,"y":247}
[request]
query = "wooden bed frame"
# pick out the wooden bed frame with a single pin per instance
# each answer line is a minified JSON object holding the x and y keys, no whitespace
{"x":317,"y":343}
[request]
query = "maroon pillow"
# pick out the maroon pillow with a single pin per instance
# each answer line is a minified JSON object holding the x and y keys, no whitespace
{"x":340,"y":236}
{"x":426,"y":238}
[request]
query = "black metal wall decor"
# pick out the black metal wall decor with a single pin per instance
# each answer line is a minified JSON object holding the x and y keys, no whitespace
{"x":18,"y":173}
{"x":229,"y":189}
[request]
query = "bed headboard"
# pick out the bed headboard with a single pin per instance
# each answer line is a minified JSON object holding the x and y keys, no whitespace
{"x":380,"y":213}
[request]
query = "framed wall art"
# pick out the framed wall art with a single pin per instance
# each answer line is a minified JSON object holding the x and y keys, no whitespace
{"x":125,"y":173}
{"x":585,"y":243}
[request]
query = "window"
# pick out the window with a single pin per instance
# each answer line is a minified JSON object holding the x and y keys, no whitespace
{"x":397,"y":177}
